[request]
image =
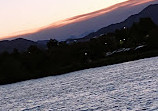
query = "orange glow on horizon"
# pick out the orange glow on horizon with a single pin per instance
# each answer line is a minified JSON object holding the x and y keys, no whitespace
{"x":141,"y":2}
{"x":19,"y":16}
{"x":78,"y":18}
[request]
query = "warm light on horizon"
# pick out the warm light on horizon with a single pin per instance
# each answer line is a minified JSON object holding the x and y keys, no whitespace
{"x":19,"y":16}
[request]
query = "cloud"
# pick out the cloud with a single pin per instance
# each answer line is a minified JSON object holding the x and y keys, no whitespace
{"x":83,"y":17}
{"x":129,"y":3}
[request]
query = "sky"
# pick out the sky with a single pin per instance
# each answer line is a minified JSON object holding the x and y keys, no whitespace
{"x":22,"y":16}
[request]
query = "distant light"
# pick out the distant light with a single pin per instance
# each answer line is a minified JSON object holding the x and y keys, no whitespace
{"x":101,"y":34}
{"x":147,"y":35}
{"x":85,"y":53}
{"x":124,"y":39}
{"x":106,"y":43}
{"x":124,"y":27}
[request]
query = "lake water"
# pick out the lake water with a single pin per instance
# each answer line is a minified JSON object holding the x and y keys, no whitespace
{"x":128,"y":86}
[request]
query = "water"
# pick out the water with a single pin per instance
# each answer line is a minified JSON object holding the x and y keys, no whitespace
{"x":130,"y":86}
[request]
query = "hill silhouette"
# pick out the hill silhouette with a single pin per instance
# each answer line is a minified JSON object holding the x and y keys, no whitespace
{"x":126,"y":44}
{"x":19,"y":43}
{"x":22,"y":44}
{"x":81,"y":28}
{"x":150,"y":11}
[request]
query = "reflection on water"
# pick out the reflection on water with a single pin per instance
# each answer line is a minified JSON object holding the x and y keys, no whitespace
{"x":128,"y":86}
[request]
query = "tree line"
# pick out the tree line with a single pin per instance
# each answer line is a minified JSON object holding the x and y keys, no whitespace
{"x":60,"y":57}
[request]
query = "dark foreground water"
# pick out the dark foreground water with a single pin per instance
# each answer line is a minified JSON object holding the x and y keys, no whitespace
{"x":122,"y":87}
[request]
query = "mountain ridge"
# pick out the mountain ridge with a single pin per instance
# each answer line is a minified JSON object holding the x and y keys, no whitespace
{"x":77,"y":29}
{"x":128,"y":22}
{"x":22,"y":44}
{"x":19,"y":43}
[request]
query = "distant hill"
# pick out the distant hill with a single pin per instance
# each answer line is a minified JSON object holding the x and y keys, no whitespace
{"x":150,"y":11}
{"x":20,"y":44}
{"x":92,"y":23}
{"x":23,"y":44}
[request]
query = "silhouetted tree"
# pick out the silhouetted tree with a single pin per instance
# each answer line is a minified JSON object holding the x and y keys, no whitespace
{"x":52,"y":43}
{"x":61,"y":57}
{"x":153,"y":38}
{"x":33,"y":49}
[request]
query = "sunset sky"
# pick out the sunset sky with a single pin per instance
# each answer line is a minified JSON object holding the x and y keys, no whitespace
{"x":22,"y":16}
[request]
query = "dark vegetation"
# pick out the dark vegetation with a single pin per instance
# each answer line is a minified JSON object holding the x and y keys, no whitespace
{"x":126,"y":44}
